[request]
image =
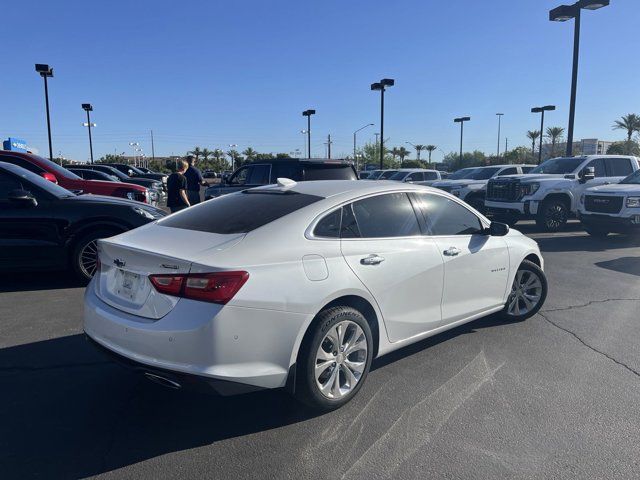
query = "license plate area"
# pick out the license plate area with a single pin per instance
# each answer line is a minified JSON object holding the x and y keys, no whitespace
{"x":127,"y":284}
{"x":635,"y":219}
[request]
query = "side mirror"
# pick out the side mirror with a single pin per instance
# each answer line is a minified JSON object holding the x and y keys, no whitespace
{"x":130,"y":173}
{"x":23,"y":198}
{"x":497,"y":229}
{"x":586,"y":174}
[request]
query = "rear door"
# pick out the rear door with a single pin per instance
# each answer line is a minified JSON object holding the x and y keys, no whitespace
{"x":382,"y":242}
{"x":476,"y":265}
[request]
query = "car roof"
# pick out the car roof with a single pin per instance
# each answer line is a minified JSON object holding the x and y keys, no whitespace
{"x":330,"y":188}
{"x":301,"y":160}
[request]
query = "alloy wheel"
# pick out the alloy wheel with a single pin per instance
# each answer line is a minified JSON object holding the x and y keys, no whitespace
{"x":88,"y":258}
{"x":526,"y":293}
{"x":341,"y":359}
{"x":556,"y":215}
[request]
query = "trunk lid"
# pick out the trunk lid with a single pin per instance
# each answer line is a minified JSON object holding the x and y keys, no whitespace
{"x":128,"y":259}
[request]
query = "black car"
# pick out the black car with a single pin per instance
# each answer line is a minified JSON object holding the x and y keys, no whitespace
{"x":122,"y":177}
{"x":135,"y":172}
{"x":46,"y":227}
{"x":265,"y":172}
{"x":89,"y":174}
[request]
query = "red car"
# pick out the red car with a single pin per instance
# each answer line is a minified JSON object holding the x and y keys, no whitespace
{"x":63,"y":177}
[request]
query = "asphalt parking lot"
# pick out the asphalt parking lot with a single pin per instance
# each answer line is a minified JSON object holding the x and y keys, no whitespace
{"x":555,"y":396}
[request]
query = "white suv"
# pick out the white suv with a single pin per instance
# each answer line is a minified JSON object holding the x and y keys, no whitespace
{"x":473,"y":186}
{"x":550,"y":193}
{"x":611,"y":208}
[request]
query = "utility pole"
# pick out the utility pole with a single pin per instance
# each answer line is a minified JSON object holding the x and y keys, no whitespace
{"x":506,"y":144}
{"x":329,"y":146}
{"x":153,"y":152}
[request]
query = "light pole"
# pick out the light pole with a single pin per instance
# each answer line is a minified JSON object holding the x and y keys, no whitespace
{"x":354,"y":143}
{"x":461,"y":121}
{"x":45,"y":72}
{"x":133,"y":146}
{"x":308,"y":113}
{"x":499,"y":121}
{"x":562,"y":14}
{"x":385,"y":82}
{"x":304,"y":132}
{"x":541,"y":110}
{"x":88,"y":108}
{"x":232,"y":147}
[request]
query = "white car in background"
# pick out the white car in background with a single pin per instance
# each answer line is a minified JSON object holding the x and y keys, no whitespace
{"x":302,"y":285}
{"x":421,"y":176}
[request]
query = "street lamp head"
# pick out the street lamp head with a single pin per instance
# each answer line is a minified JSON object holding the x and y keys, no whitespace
{"x":461,"y":119}
{"x":500,"y":114}
{"x":87,"y":107}
{"x":546,"y":108}
{"x":44,"y":70}
{"x":593,"y":4}
{"x":308,"y":113}
{"x":387,"y":82}
{"x":562,"y":13}
{"x":376,"y":86}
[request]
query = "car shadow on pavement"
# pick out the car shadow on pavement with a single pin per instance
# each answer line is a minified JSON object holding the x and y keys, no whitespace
{"x":32,"y":281}
{"x":630,"y":265}
{"x":586,"y":243}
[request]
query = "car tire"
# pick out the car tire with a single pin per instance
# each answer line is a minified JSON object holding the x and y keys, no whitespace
{"x":528,"y":292}
{"x":326,"y":376}
{"x":552,"y":215}
{"x":84,"y":248}
{"x":594,"y":231}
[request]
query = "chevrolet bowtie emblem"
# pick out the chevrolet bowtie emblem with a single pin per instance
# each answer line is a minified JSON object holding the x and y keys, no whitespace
{"x":119,"y":263}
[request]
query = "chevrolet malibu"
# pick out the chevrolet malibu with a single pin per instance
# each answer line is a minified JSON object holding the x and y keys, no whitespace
{"x":301,"y":285}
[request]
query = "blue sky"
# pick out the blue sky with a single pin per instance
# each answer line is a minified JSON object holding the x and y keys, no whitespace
{"x":220,"y":72}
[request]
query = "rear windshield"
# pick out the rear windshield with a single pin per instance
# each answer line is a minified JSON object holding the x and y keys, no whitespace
{"x":239,"y":212}
{"x":327,"y":171}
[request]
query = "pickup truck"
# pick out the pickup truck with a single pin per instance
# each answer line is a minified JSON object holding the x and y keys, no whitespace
{"x":611,"y":208}
{"x":472,"y":187}
{"x":550,"y":193}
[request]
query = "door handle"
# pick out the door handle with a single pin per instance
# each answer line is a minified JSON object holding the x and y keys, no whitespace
{"x":451,"y":251}
{"x":372,"y":259}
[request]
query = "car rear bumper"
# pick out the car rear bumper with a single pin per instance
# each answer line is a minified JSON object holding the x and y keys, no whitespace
{"x":249,"y":346}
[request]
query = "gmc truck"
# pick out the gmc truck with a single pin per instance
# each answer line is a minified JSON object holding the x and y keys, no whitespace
{"x":550,"y":193}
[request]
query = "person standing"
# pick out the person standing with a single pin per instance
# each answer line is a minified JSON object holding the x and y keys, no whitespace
{"x":177,"y":198}
{"x":194,"y":181}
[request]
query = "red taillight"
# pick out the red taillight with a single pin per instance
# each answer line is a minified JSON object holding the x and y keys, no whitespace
{"x":49,"y":176}
{"x":219,"y":287}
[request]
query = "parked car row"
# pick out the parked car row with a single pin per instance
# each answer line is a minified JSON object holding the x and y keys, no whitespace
{"x":44,"y":226}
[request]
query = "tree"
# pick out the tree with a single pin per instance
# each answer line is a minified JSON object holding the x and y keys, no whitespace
{"x":395,"y":151}
{"x":555,"y":134}
{"x":469,"y":159}
{"x":196,"y":152}
{"x":533,"y":136}
{"x":370,"y":155}
{"x":402,"y":152}
{"x":430,"y":149}
{"x":630,"y":123}
{"x":624,"y":148}
{"x":206,"y":153}
{"x":250,"y":154}
{"x":110,"y":158}
{"x":419,"y":148}
{"x":234,"y":155}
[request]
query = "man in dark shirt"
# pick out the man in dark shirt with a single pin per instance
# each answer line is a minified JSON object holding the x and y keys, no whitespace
{"x":177,"y":188}
{"x":194,"y":181}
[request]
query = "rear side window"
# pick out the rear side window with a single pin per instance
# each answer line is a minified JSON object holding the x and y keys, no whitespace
{"x":528,"y":169}
{"x":509,"y":171}
{"x":389,"y":215}
{"x":259,"y":175}
{"x":447,"y":217}
{"x":329,"y":172}
{"x":239,"y":212}
{"x":329,"y":226}
{"x":24,"y":164}
{"x":618,"y":167}
{"x":430,"y":175}
{"x":7,"y":184}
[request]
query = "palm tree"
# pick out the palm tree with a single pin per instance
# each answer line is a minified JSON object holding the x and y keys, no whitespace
{"x":233,"y":155}
{"x":196,"y":152}
{"x":206,"y":153}
{"x":533,"y":136}
{"x":430,"y":149}
{"x":630,"y":123}
{"x":395,"y":151}
{"x":403,"y":152}
{"x":419,"y":148}
{"x":555,"y":134}
{"x":250,"y":154}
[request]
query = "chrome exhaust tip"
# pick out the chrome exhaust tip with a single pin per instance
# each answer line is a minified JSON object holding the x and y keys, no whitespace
{"x":165,"y":382}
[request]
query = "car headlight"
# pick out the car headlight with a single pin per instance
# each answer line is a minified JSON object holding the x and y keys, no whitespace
{"x":633,"y":202}
{"x":527,"y":189}
{"x":150,"y":214}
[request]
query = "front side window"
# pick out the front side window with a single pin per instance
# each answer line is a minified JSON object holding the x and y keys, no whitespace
{"x":430,"y":175}
{"x":415,"y":177}
{"x":447,"y":217}
{"x":509,"y":171}
{"x":598,"y":165}
{"x":527,"y":169}
{"x":618,"y":167}
{"x":388,"y":174}
{"x":240,"y":177}
{"x":388,"y":215}
{"x":8,"y":183}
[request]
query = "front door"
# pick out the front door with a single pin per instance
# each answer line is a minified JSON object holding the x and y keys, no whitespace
{"x":383,"y":245}
{"x":476,"y":265}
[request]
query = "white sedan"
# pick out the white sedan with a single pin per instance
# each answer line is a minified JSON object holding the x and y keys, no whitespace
{"x":302,"y":285}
